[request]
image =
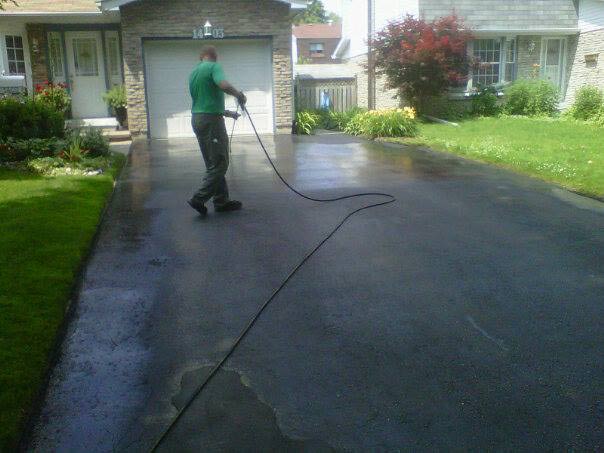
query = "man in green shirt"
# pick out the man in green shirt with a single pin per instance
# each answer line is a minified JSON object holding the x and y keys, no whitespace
{"x":207,"y":85}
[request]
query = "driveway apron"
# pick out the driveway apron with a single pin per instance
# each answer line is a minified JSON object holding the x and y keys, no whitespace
{"x":467,"y":315}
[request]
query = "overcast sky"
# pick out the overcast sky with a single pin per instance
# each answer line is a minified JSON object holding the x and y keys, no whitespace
{"x":333,"y":5}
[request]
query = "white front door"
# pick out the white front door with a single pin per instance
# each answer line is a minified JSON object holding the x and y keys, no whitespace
{"x":552,"y":58}
{"x":86,"y":74}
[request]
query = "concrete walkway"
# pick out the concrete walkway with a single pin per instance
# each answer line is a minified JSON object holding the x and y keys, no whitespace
{"x":467,"y":316}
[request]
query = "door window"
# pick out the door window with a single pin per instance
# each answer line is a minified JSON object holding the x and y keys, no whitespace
{"x":553,"y":58}
{"x":85,"y":57}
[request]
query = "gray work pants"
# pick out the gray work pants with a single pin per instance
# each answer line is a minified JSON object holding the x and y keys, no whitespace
{"x":214,"y":143}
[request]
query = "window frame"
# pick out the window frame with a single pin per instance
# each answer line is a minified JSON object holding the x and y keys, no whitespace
{"x":316,"y":53}
{"x":505,"y":43}
{"x":15,"y":61}
{"x":562,"y":59}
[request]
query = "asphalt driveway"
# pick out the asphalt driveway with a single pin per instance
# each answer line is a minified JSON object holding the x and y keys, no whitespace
{"x":467,"y":315}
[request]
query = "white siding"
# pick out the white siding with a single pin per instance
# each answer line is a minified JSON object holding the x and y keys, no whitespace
{"x":14,"y":26}
{"x":591,"y":15}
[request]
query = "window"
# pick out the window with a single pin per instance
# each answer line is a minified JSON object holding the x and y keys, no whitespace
{"x":55,"y":48}
{"x":15,"y":55}
{"x":113,"y":56}
{"x":487,"y":53}
{"x":85,"y":57}
{"x":317,"y":49}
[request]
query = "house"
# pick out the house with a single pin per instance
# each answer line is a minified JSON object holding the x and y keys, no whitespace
{"x":151,"y":46}
{"x":316,"y":43}
{"x":557,"y":40}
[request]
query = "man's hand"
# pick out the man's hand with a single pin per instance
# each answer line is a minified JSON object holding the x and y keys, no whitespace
{"x":230,"y":89}
{"x":242,"y":99}
{"x":231,"y":114}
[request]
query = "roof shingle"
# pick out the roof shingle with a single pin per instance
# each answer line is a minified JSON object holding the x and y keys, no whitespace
{"x":51,"y":6}
{"x":316,"y":31}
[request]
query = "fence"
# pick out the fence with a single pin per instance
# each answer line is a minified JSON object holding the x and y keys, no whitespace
{"x":341,"y":92}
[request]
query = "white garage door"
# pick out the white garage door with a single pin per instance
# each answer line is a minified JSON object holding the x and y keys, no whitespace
{"x":247,"y":65}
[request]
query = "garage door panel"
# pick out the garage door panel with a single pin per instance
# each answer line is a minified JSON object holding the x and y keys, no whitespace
{"x":247,"y":65}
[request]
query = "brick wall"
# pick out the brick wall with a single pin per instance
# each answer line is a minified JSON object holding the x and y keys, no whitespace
{"x":39,"y":68}
{"x":178,"y":18}
{"x":584,"y":73}
{"x":509,"y":14}
{"x":529,"y":61}
{"x":329,"y":48}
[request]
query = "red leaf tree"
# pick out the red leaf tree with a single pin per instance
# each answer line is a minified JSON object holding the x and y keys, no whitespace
{"x":423,"y":59}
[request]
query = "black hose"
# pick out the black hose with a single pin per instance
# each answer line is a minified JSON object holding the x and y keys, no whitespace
{"x":259,"y":312}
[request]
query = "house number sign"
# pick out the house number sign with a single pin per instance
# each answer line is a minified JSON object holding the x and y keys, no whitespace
{"x":208,"y":32}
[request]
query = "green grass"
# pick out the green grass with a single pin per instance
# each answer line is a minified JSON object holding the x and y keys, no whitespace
{"x":46,"y":229}
{"x":568,"y":153}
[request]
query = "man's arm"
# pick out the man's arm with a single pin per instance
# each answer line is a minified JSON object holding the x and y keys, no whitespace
{"x":230,"y":89}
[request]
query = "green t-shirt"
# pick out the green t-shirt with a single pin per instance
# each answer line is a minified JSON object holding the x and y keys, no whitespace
{"x":203,"y":86}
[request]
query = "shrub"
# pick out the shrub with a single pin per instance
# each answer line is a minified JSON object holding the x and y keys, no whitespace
{"x":340,"y":120}
{"x":93,"y":142}
{"x":116,"y":97}
{"x":74,"y":152}
{"x":588,"y":103}
{"x":531,"y":98}
{"x":598,"y":119}
{"x":12,"y":150}
{"x":423,"y":59}
{"x":384,"y":123}
{"x":27,"y":118}
{"x":445,"y":108}
{"x":307,"y":121}
{"x":55,"y":96}
{"x":484,"y":102}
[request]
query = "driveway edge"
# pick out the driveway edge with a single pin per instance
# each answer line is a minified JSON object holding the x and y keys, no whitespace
{"x":54,"y":355}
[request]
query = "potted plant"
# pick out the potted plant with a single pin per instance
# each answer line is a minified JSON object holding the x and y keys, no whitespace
{"x":116,"y":99}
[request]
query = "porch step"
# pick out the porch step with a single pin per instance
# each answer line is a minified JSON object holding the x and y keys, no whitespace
{"x":117,"y":136}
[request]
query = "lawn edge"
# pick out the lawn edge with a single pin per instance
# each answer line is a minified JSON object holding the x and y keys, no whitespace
{"x":34,"y":412}
{"x":427,"y":148}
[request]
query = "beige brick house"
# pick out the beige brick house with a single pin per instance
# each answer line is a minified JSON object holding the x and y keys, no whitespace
{"x":557,"y":40}
{"x":151,"y":46}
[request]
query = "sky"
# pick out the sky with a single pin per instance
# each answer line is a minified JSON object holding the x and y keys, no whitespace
{"x":333,"y":6}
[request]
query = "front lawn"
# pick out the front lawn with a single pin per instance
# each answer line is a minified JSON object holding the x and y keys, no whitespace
{"x":46,"y":228}
{"x":565,"y":152}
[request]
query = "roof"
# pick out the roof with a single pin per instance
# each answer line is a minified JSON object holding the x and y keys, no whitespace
{"x":318,"y":31}
{"x":110,"y":4}
{"x":50,"y":6}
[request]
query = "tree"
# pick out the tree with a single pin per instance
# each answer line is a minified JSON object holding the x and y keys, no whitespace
{"x":313,"y":14}
{"x":422,"y":59}
{"x":2,"y":2}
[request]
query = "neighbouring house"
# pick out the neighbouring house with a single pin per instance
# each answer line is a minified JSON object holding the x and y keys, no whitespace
{"x":316,"y":43}
{"x":558,"y":40}
{"x":151,"y":46}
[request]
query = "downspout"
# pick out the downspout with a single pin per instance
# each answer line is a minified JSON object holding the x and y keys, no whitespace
{"x":370,"y":57}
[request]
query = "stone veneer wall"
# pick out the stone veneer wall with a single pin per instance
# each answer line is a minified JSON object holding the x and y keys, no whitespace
{"x":384,"y":98}
{"x":582,"y":73}
{"x":39,"y":67}
{"x":178,"y":19}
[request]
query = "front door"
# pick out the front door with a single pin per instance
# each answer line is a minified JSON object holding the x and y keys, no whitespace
{"x":553,"y":60}
{"x":86,"y":74}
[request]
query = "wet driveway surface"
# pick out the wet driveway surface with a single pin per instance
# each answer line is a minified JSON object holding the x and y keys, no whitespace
{"x":467,"y":315}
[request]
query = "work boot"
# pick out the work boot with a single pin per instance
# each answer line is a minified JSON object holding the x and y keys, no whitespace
{"x":231,"y":205}
{"x":198,"y":206}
